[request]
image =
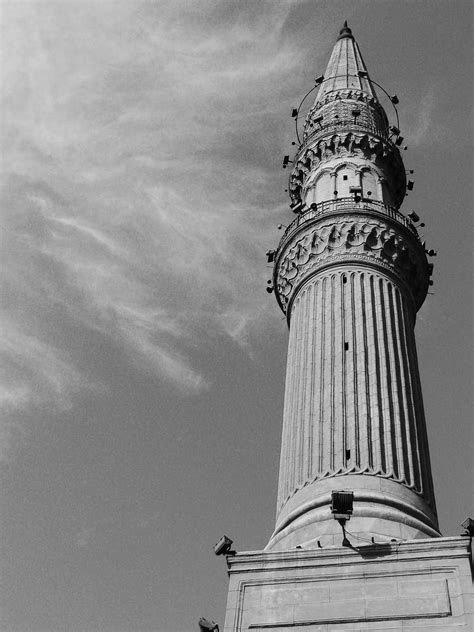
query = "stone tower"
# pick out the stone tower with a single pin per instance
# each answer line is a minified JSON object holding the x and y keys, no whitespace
{"x":350,"y":273}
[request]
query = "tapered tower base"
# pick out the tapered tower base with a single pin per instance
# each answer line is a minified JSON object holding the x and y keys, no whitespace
{"x":422,"y":585}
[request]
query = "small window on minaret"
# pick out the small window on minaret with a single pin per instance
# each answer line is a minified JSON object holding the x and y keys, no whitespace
{"x":346,"y":346}
{"x":348,"y":455}
{"x":344,"y":278}
{"x":344,"y":177}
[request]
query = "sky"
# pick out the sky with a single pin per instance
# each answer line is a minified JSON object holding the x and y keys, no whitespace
{"x":143,"y":360}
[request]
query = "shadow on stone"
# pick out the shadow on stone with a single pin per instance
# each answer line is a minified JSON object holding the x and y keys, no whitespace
{"x":372,"y":551}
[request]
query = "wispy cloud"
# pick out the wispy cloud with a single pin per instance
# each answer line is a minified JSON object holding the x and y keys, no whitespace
{"x":35,"y":372}
{"x":422,"y":122}
{"x":133,"y":184}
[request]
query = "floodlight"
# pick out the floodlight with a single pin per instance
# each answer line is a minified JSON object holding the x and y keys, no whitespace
{"x":223,"y":546}
{"x":297,"y":207}
{"x":341,"y":509}
{"x":414,"y":217}
{"x":207,"y":626}
{"x":270,"y":254}
{"x":468,"y":525}
{"x":319,"y":80}
{"x":341,"y":504}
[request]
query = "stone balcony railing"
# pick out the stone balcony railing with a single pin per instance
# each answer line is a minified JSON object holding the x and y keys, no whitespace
{"x":344,"y":205}
{"x":347,"y":125}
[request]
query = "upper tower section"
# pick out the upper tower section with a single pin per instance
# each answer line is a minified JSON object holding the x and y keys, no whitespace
{"x":342,"y":73}
{"x":346,"y":150}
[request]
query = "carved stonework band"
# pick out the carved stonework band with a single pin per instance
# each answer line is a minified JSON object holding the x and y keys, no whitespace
{"x":357,"y":240}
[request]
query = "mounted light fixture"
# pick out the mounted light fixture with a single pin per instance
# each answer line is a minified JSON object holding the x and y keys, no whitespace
{"x":223,"y":546}
{"x":207,"y":626}
{"x":468,"y":526}
{"x":342,"y":504}
{"x":270,"y":254}
{"x":297,"y":207}
{"x":341,"y":508}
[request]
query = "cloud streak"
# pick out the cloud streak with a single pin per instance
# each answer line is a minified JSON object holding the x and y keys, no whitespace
{"x":132,"y":186}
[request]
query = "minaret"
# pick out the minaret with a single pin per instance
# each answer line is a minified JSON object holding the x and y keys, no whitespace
{"x":350,"y":274}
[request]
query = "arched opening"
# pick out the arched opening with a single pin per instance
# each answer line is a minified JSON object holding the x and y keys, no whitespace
{"x":370,"y":187}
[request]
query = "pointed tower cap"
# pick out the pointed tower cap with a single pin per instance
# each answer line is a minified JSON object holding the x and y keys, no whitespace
{"x":345,"y":32}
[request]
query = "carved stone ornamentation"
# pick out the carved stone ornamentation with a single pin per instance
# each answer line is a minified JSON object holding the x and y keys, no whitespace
{"x":359,"y":240}
{"x":345,"y":144}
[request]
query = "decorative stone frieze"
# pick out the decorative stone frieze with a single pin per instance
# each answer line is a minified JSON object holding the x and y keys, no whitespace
{"x":345,"y":143}
{"x":337,"y":108}
{"x":358,"y":240}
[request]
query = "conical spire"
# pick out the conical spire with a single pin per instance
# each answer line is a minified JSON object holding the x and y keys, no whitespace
{"x":346,"y":69}
{"x":345,"y":32}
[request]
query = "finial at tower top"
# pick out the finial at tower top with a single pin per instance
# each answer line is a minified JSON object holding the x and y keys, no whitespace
{"x":345,"y":32}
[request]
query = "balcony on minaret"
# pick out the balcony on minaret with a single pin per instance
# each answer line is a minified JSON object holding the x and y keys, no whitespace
{"x":347,"y":139}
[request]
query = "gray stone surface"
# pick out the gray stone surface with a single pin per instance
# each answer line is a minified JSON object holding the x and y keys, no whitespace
{"x":411,"y":585}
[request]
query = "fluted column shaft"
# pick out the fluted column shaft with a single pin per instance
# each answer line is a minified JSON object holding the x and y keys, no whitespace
{"x":353,"y":402}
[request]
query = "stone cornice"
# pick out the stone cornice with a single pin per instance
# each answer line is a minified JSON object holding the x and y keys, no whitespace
{"x":450,"y":548}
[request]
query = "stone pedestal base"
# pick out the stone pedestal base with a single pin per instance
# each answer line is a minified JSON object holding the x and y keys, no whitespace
{"x":422,"y":585}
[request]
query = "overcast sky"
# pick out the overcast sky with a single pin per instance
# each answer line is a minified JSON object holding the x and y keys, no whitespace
{"x":143,"y":360}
